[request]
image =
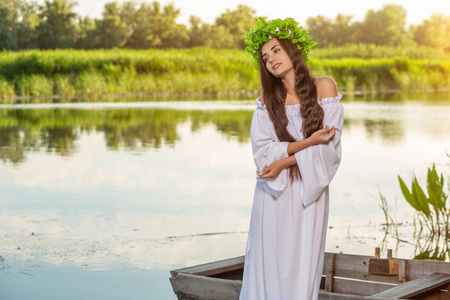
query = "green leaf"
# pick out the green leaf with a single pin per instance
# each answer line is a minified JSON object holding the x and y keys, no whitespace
{"x":408,"y":195}
{"x":421,"y":197}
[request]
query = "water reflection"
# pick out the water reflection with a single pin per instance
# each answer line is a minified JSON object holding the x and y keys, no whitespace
{"x":73,"y":192}
{"x":57,"y":130}
{"x":136,"y":129}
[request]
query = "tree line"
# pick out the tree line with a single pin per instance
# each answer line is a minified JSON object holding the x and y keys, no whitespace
{"x":54,"y":25}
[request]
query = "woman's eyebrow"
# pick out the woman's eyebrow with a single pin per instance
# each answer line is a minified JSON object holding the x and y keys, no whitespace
{"x":270,"y":49}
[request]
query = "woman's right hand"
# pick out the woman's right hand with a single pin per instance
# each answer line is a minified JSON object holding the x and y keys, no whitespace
{"x":323,"y":136}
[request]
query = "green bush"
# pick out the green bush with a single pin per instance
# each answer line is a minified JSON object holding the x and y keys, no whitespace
{"x":201,"y":71}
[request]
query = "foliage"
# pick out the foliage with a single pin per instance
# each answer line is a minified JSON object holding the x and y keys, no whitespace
{"x":281,"y":29}
{"x":370,"y":51}
{"x":385,"y":27}
{"x":433,"y":210}
{"x":433,"y":32}
{"x":26,"y":24}
{"x":56,"y":30}
{"x":197,"y":71}
{"x":237,"y":22}
{"x":329,"y":33}
{"x":111,"y":31}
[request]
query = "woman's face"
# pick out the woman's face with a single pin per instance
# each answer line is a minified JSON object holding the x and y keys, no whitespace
{"x":276,"y":59}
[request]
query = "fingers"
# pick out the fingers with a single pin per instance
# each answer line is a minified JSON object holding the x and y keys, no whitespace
{"x":266,"y":172}
{"x":324,"y":130}
{"x":330,"y":134}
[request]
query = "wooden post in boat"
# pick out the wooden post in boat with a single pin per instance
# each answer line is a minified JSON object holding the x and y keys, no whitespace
{"x":329,"y":280}
{"x":383,"y":266}
{"x":377,"y":252}
{"x":403,"y":271}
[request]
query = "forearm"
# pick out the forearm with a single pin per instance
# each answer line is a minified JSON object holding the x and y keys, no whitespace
{"x":288,"y":161}
{"x":294,"y":147}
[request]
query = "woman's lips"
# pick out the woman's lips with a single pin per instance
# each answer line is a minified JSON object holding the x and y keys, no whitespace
{"x":275,"y":66}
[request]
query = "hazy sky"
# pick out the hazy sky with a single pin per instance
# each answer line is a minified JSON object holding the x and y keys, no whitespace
{"x":208,"y":10}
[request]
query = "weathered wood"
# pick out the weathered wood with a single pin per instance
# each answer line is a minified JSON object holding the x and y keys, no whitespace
{"x":403,"y":271}
{"x":346,"y":275}
{"x":377,"y":252}
{"x":416,"y":287}
{"x":381,"y":266}
{"x":359,"y":287}
{"x":420,"y":268}
{"x":205,"y":288}
{"x":334,"y":296}
{"x":331,"y":265}
{"x":188,"y":286}
{"x":213,"y":268}
{"x":355,"y":266}
{"x":439,"y":294}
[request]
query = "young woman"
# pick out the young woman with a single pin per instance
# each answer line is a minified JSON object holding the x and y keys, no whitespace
{"x":295,"y":133}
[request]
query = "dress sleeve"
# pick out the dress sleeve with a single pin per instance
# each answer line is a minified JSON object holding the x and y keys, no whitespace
{"x":319,"y":163}
{"x":267,"y":149}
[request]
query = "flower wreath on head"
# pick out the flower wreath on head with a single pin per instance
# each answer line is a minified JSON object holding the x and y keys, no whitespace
{"x":281,"y":29}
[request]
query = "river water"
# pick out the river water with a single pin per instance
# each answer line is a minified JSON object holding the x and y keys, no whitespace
{"x":101,"y":200}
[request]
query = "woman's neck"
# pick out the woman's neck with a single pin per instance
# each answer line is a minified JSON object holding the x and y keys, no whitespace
{"x":289,"y":83}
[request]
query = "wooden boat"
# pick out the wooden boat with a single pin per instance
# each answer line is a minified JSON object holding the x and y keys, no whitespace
{"x":345,"y":277}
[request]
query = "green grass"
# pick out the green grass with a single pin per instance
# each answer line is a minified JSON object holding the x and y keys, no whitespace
{"x":96,"y":74}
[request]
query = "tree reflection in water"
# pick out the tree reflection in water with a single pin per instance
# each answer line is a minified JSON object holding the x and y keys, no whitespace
{"x":57,"y":130}
{"x":133,"y":129}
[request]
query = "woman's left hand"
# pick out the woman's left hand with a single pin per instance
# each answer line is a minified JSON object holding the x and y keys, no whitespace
{"x":273,"y":170}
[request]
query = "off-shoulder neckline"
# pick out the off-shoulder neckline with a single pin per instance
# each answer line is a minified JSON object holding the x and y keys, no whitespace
{"x":324,"y":101}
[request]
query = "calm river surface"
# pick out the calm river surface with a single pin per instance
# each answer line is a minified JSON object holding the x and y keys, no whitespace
{"x":100,"y":201}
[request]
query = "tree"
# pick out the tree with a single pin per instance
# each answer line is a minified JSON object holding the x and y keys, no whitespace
{"x":57,"y":29}
{"x":320,"y":29}
{"x":9,"y":13}
{"x":384,"y":27}
{"x":198,"y":32}
{"x":27,"y":27}
{"x":343,"y":31}
{"x":331,"y":33}
{"x":153,"y":27}
{"x":87,"y":34}
{"x":143,"y":34}
{"x":238,"y":23}
{"x":220,"y":38}
{"x":111,"y":30}
{"x":434,"y":32}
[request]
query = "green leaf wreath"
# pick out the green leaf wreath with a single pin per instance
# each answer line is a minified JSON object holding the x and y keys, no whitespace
{"x":281,"y":29}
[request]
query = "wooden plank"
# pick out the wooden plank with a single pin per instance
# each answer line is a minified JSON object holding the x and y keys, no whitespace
{"x":355,"y":266}
{"x":403,"y":271}
{"x":323,"y":295}
{"x":188,"y":286}
{"x":416,"y":287}
{"x":213,"y":268}
{"x":420,"y":268}
{"x":331,"y":265}
{"x":440,"y":294}
{"x":359,"y":287}
{"x":200,"y":287}
{"x":382,"y":266}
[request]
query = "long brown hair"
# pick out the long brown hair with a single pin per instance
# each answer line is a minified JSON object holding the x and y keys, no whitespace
{"x":275,"y":96}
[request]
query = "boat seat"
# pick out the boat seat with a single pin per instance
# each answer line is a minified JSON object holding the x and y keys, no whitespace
{"x":415,"y":287}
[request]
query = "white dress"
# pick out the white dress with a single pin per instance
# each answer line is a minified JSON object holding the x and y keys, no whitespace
{"x":286,"y":240}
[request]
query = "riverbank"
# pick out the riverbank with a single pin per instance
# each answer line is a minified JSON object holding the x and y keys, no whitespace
{"x":71,"y":75}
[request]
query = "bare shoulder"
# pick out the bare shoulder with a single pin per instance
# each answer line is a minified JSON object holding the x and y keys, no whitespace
{"x":326,"y":87}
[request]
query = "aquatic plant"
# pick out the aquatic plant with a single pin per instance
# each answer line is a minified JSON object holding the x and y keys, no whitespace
{"x":432,"y":209}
